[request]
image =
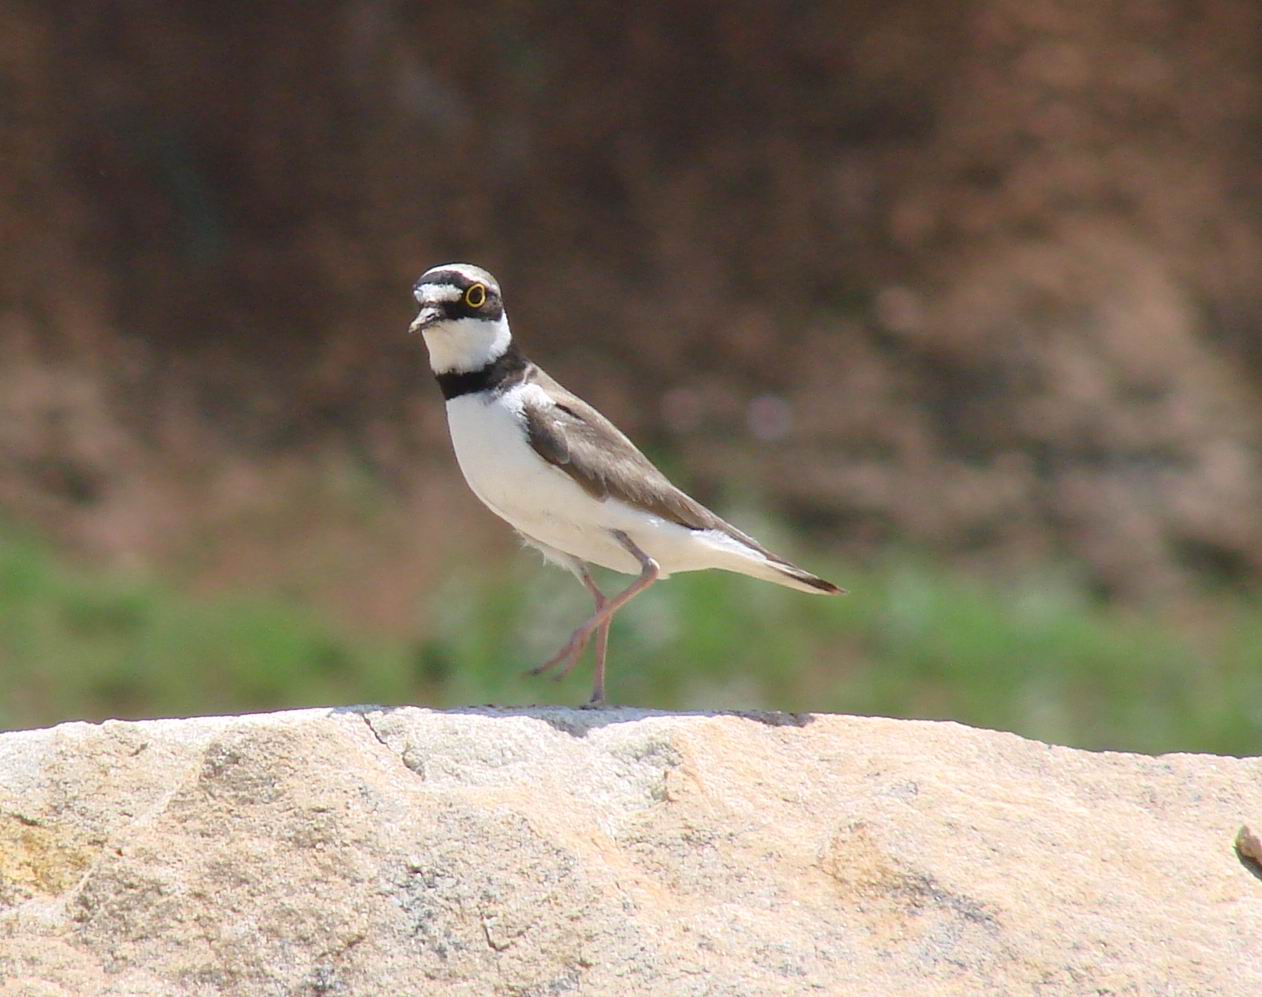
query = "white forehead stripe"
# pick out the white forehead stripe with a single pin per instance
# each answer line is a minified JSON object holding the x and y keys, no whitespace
{"x":427,"y":294}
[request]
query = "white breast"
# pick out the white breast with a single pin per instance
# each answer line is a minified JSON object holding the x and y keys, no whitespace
{"x":547,"y":506}
{"x":542,"y":502}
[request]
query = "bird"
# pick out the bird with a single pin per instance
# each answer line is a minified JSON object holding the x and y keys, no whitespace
{"x":561,"y":474}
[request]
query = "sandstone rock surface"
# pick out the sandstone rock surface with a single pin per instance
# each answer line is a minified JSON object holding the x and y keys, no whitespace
{"x":546,"y":851}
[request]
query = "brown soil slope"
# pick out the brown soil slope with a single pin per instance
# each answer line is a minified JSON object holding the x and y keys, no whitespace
{"x":986,"y":282}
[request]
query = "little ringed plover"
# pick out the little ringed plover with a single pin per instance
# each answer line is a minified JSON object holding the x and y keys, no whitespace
{"x":562,"y":474}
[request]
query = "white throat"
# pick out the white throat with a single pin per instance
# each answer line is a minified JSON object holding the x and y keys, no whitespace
{"x":462,"y":345}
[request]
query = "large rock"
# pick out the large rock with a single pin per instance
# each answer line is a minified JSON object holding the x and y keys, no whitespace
{"x":609,"y":852}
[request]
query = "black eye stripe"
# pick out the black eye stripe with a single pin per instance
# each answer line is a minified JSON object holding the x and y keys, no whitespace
{"x":491,"y":311}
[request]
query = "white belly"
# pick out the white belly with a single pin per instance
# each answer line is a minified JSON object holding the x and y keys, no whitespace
{"x":546,"y":505}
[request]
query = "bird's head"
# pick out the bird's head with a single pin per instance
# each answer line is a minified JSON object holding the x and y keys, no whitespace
{"x":462,"y":317}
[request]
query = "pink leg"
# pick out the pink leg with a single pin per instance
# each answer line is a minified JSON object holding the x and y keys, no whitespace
{"x":602,"y":641}
{"x":568,"y":656}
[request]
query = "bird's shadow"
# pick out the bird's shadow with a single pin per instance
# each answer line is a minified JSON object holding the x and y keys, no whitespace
{"x":580,"y":721}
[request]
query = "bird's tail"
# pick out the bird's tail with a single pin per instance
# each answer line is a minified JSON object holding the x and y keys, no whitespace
{"x":790,"y":576}
{"x":735,"y":551}
{"x":770,"y":568}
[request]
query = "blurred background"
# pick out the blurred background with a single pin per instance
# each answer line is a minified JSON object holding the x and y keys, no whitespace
{"x":958,"y":306}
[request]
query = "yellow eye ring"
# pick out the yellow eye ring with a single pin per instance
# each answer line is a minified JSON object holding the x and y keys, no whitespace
{"x":475,"y":296}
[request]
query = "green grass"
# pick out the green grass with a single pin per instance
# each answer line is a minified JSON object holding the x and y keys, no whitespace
{"x":913,"y":639}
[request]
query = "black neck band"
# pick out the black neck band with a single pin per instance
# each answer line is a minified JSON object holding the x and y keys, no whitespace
{"x":504,"y":369}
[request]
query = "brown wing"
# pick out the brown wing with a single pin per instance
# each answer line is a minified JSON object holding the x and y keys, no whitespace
{"x":577,"y":439}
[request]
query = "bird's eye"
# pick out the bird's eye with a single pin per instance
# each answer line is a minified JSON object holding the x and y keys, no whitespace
{"x":475,"y":296}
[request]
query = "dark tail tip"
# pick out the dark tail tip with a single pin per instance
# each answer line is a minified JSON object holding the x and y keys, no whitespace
{"x":817,"y":583}
{"x":806,"y":578}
